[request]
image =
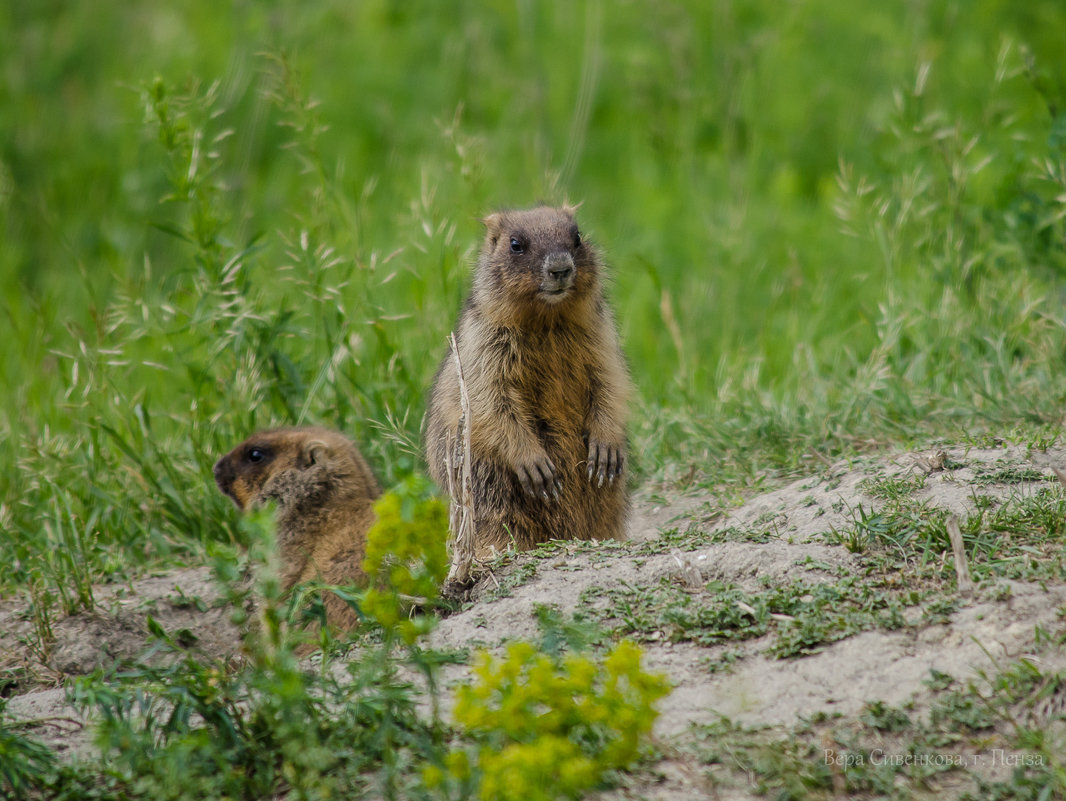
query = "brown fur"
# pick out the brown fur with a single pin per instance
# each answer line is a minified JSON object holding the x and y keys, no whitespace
{"x":547,"y":384}
{"x":324,"y":491}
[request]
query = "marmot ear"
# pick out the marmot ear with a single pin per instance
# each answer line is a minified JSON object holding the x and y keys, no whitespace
{"x":492,"y":222}
{"x":571,"y":208}
{"x":313,"y":452}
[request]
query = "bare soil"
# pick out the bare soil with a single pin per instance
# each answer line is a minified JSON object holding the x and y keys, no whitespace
{"x":995,"y":625}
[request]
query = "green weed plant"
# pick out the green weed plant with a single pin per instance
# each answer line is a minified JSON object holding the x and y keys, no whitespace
{"x":406,"y":559}
{"x":550,"y":727}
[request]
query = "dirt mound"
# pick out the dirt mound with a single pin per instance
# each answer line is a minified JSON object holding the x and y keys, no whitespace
{"x":711,"y":587}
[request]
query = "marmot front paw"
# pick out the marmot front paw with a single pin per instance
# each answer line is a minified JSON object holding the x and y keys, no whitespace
{"x":605,"y":462}
{"x":538,"y":478}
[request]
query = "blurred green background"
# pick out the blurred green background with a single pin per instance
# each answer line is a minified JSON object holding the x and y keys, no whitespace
{"x":830,"y":227}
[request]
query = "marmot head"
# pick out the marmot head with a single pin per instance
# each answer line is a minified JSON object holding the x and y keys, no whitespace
{"x":535,"y":261}
{"x":298,"y":468}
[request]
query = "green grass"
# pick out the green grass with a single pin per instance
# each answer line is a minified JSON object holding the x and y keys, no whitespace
{"x":1019,"y":538}
{"x":892,"y":488}
{"x":801,"y":617}
{"x":213,"y":225}
{"x":828,"y":232}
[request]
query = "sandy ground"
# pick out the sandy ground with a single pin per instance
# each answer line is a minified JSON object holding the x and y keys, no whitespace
{"x":891,"y":666}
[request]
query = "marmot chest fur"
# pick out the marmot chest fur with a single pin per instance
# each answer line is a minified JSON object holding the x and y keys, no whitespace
{"x":547,"y":385}
{"x":324,"y":491}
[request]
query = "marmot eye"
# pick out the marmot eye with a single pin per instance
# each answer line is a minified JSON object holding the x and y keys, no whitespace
{"x":256,"y":455}
{"x":516,"y":246}
{"x":577,"y":240}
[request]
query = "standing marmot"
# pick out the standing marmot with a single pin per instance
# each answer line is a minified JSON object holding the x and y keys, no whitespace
{"x":324,"y":492}
{"x":547,"y":384}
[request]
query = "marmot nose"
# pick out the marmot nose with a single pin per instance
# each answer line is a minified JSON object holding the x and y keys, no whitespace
{"x":223,"y":475}
{"x":559,"y":266}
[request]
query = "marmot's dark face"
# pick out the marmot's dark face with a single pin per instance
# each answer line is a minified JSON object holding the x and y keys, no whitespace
{"x":537,"y":256}
{"x":242,"y":472}
{"x":295,"y":467}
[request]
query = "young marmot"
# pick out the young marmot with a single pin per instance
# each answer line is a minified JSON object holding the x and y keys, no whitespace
{"x":548,"y":389}
{"x":324,"y":492}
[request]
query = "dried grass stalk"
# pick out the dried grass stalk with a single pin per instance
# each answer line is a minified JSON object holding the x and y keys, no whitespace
{"x":458,"y":464}
{"x":1061,"y":475}
{"x":962,"y":567}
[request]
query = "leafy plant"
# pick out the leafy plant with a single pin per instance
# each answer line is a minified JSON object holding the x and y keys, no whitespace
{"x":406,"y":559}
{"x":547,"y":727}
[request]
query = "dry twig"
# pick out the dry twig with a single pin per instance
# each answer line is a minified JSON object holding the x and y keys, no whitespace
{"x":1061,"y":474}
{"x":461,"y":516}
{"x":962,"y":567}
